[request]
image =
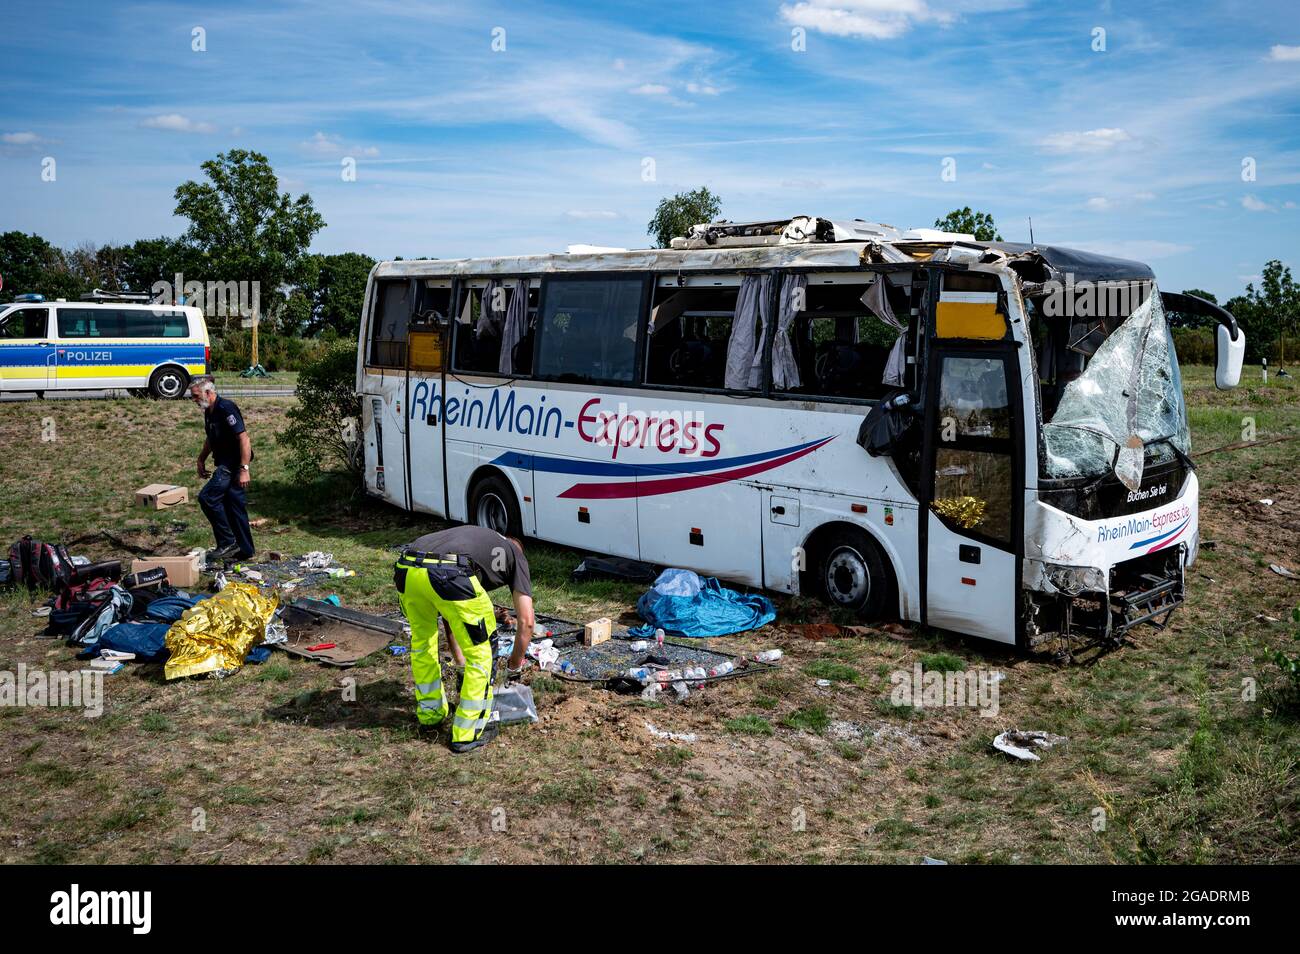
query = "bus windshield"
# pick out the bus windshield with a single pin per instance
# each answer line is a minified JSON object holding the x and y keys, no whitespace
{"x":1131,"y":388}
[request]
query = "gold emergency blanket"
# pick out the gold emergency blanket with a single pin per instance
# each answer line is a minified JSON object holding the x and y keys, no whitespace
{"x":215,"y":635}
{"x":966,"y":512}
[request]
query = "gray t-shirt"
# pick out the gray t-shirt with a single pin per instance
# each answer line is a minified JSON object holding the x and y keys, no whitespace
{"x":487,"y":550}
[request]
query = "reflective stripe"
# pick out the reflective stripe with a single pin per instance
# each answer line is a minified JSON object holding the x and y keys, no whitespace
{"x":433,"y":704}
{"x":474,"y":705}
{"x":428,"y":687}
{"x":472,"y":724}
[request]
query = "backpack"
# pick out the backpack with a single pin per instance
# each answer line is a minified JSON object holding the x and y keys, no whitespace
{"x":39,"y":565}
{"x":72,"y":604}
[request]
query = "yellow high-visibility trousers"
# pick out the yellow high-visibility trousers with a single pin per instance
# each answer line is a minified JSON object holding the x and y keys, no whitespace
{"x":433,"y":586}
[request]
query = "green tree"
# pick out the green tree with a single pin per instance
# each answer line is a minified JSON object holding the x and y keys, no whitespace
{"x":242,"y":228}
{"x":339,"y":293}
{"x":30,"y":264}
{"x":1269,"y":312}
{"x":978,"y":224}
{"x":676,"y":214}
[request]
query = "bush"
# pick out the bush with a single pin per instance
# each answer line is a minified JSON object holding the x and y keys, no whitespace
{"x":1194,"y":345}
{"x":322,"y":431}
{"x":234,"y":351}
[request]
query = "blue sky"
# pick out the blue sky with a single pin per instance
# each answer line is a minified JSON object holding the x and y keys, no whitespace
{"x":1136,"y":150}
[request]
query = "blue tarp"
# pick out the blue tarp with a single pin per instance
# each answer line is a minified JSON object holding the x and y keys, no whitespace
{"x":147,"y":640}
{"x":681,"y":603}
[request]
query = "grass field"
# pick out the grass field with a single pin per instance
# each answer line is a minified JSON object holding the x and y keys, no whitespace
{"x":1186,"y":765}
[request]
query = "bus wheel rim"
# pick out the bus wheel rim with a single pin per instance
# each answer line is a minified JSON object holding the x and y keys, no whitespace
{"x":492,"y":513}
{"x":847,"y":579}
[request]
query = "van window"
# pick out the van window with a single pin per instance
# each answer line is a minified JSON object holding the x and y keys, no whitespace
{"x":25,"y":323}
{"x":122,"y":323}
{"x":588,"y":329}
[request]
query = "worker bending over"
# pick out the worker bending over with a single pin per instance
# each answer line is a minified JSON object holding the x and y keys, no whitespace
{"x":449,"y":574}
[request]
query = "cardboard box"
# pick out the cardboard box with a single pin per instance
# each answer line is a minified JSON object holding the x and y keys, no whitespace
{"x":161,"y":496}
{"x":597,"y":631}
{"x":181,"y":570}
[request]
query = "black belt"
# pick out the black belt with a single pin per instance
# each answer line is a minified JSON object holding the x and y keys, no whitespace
{"x":422,"y":558}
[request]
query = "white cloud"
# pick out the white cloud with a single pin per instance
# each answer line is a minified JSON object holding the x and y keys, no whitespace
{"x":883,"y":19}
{"x":1091,"y":140}
{"x":1285,"y":54}
{"x":650,"y":89}
{"x":1099,"y":204}
{"x":1288,"y":204}
{"x":175,"y":122}
{"x":584,"y":215}
{"x":1252,"y":204}
{"x":331,"y":147}
{"x":1144,"y":196}
{"x":22,"y":139}
{"x":701,"y":89}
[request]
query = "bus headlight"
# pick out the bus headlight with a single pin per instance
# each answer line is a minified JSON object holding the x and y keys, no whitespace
{"x":1073,"y":580}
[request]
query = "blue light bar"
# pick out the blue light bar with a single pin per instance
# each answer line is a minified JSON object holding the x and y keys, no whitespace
{"x":29,"y":297}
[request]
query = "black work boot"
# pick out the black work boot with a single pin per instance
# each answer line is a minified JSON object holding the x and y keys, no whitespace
{"x":489,"y":733}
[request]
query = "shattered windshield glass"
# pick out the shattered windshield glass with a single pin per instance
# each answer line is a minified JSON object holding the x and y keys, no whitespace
{"x":1128,"y":399}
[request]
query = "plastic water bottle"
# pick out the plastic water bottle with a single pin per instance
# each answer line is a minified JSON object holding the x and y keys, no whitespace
{"x":768,"y":655}
{"x":722,"y":668}
{"x":659,"y":639}
{"x":640,"y":646}
{"x":640,"y":673}
{"x":566,"y":667}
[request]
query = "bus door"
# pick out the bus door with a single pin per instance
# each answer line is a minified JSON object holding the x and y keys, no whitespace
{"x":426,"y":436}
{"x":972,"y":489}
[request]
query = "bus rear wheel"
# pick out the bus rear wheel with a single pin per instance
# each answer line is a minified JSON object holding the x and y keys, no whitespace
{"x":851,"y":574}
{"x":168,"y":383}
{"x":492,"y":505}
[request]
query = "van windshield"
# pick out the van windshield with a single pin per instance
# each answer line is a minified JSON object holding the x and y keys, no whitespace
{"x":1131,"y":391}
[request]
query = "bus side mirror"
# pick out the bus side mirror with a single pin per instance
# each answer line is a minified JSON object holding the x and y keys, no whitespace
{"x":1228,"y":355}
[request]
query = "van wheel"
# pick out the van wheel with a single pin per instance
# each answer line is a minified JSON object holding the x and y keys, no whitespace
{"x":168,"y":383}
{"x":492,"y":505}
{"x":851,"y":573}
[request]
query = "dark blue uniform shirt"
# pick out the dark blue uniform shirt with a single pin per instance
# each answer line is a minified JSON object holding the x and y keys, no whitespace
{"x":223,"y":424}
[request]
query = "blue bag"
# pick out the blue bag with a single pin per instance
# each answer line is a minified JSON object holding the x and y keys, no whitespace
{"x":681,"y":603}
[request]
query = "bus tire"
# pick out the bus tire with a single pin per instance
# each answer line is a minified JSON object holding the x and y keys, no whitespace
{"x":851,"y":573}
{"x":492,"y":504}
{"x":168,"y":383}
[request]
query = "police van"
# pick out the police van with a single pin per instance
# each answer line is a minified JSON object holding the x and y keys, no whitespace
{"x":104,"y":341}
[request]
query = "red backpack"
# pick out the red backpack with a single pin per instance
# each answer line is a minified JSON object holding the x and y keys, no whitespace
{"x":39,"y":565}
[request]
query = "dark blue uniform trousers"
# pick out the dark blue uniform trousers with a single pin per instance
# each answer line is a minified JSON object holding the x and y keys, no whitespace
{"x":225,"y":504}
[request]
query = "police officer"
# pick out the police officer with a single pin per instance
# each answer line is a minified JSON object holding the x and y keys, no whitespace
{"x":222,"y":498}
{"x":448,"y":574}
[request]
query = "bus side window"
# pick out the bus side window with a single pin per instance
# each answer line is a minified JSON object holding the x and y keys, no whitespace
{"x":842,"y":348}
{"x":689,"y":333}
{"x":588,"y":329}
{"x":481,"y":333}
{"x":393,"y":305}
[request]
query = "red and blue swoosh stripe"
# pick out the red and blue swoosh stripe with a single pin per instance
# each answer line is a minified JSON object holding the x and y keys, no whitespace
{"x":1163,"y":540}
{"x":650,"y":480}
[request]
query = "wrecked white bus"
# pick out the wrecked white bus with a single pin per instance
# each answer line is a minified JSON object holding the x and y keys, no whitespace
{"x":989,"y":438}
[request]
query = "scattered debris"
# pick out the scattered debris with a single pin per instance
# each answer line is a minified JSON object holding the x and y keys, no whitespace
{"x":1018,"y":744}
{"x":324,"y":632}
{"x":1267,"y":501}
{"x":215,"y":636}
{"x":514,"y":703}
{"x":823,"y":683}
{"x":613,"y":568}
{"x":1264,"y":617}
{"x":1283,"y":571}
{"x":671,"y":736}
{"x":927,"y":860}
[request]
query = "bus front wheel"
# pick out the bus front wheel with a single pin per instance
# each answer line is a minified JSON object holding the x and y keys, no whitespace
{"x":851,"y":573}
{"x":493,"y":505}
